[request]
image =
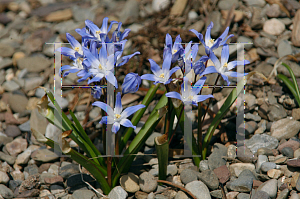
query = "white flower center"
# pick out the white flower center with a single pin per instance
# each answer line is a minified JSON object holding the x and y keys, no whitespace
{"x":162,"y":75}
{"x":211,"y":43}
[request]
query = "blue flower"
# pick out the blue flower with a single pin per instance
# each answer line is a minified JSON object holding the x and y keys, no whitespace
{"x":161,"y":75}
{"x":131,"y":83}
{"x":223,"y":67}
{"x":93,"y":32}
{"x":117,"y":116}
{"x":176,"y":50}
{"x":117,"y":35}
{"x":96,"y":91}
{"x":101,"y":66}
{"x":210,"y":44}
{"x":188,"y":57}
{"x":199,"y":66}
{"x":76,"y":50}
{"x":189,"y":94}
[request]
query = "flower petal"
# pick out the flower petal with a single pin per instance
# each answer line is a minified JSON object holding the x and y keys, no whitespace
{"x":224,"y":54}
{"x":105,"y":108}
{"x":154,"y":67}
{"x":210,"y":69}
{"x":74,"y":43}
{"x":207,"y":34}
{"x":215,"y":60}
{"x":233,"y":64}
{"x":127,"y":123}
{"x":201,"y":98}
{"x":167,"y":63}
{"x":116,"y":127}
{"x":107,"y":120}
{"x":235,"y":74}
{"x":174,"y":95}
{"x":149,"y":77}
{"x":111,"y":78}
{"x":226,"y":79}
{"x":130,"y":110}
{"x":118,"y":106}
{"x":97,"y":78}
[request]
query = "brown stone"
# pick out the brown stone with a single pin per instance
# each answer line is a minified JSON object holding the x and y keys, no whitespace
{"x":291,"y":143}
{"x":296,"y":29}
{"x":54,"y":180}
{"x":296,"y":113}
{"x":223,"y":173}
{"x":256,"y":184}
{"x":293,"y":163}
{"x":16,"y":146}
{"x":44,"y":167}
{"x":178,"y":7}
{"x":60,"y":15}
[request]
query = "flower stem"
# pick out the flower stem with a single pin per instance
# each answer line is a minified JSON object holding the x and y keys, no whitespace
{"x":199,"y":127}
{"x":210,"y":99}
{"x":168,"y":115}
{"x":176,"y":124}
{"x":109,"y":162}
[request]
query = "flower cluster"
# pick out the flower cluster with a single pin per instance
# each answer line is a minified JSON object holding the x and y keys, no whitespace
{"x":97,"y":56}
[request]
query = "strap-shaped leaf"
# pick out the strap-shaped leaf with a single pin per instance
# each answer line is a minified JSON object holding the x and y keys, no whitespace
{"x":293,"y":86}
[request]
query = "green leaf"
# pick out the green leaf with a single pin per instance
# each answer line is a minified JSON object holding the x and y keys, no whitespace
{"x":293,"y":86}
{"x":96,"y":170}
{"x":138,"y":115}
{"x":221,"y":113}
{"x":162,"y":148}
{"x":137,"y":143}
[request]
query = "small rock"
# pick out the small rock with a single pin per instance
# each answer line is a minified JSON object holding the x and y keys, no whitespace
{"x":222,"y":173}
{"x":178,"y":7}
{"x":288,"y":151}
{"x":159,"y":5}
{"x":24,"y":157}
{"x":3,"y":178}
{"x":209,"y":178}
{"x":276,"y":112}
{"x":215,"y":159}
{"x":34,"y":64}
{"x":255,"y":3}
{"x":12,"y":131}
{"x":273,"y":11}
{"x":261,"y":195}
{"x":171,"y":170}
{"x":6,"y":50}
{"x":68,"y":170}
{"x":246,"y":40}
{"x":243,"y":196}
{"x":88,"y":194}
{"x":57,"y":190}
{"x":227,"y":4}
{"x":274,"y":27}
{"x":215,"y":17}
{"x":242,"y":184}
{"x":266,"y":166}
{"x":130,"y":183}
{"x":31,"y":169}
{"x":147,"y":182}
{"x":232,"y":195}
{"x":261,"y":140}
{"x":118,"y":193}
{"x":5,"y":192}
{"x":130,"y":11}
{"x":188,"y":175}
{"x":16,"y":146}
{"x":198,"y":189}
{"x":261,"y":159}
{"x":181,"y":195}
{"x":285,"y":128}
{"x":284,"y":47}
{"x":54,"y":180}
{"x":237,"y":168}
{"x":283,"y":194}
{"x":274,"y":173}
{"x":141,"y":195}
{"x":60,"y":15}
{"x":203,"y":165}
{"x":192,"y":15}
{"x":297,"y":153}
{"x":44,"y":155}
{"x":17,"y":102}
{"x":296,"y":29}
{"x":270,"y":187}
{"x":296,"y":113}
{"x":293,"y":163}
{"x":53,"y":169}
{"x":7,"y":158}
{"x":198,"y":26}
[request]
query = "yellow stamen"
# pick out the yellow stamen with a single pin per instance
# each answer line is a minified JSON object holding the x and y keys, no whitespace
{"x":98,"y":32}
{"x":76,"y":49}
{"x":212,"y":41}
{"x":162,"y":75}
{"x":225,"y":65}
{"x":175,"y":51}
{"x":118,"y":116}
{"x":100,"y":66}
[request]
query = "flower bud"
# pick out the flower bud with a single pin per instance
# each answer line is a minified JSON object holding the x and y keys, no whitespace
{"x":131,"y":83}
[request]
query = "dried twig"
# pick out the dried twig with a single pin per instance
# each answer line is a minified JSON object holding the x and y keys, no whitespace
{"x":179,"y":187}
